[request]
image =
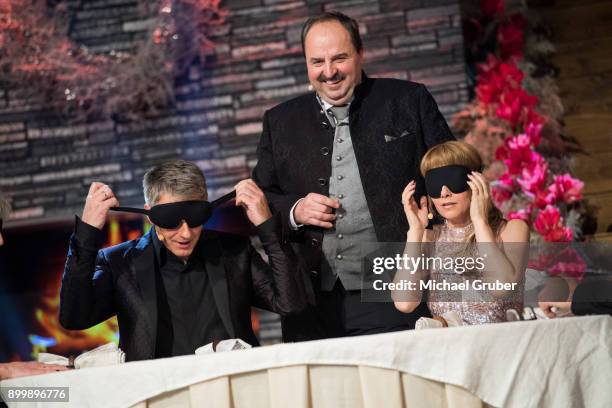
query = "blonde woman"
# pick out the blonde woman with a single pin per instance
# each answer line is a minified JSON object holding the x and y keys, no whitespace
{"x":471,"y":227}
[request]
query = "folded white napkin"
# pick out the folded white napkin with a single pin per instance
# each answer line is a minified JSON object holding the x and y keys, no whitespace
{"x":452,"y":319}
{"x":108,"y":354}
{"x":224,"y":345}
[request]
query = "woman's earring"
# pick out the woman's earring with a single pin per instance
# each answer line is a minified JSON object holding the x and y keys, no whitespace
{"x":430,"y":216}
{"x":429,"y":213}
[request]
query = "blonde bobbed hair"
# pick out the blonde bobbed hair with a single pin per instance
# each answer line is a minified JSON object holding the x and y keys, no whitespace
{"x":459,"y":153}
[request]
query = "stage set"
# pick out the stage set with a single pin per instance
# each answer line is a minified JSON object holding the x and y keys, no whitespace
{"x":332,"y":108}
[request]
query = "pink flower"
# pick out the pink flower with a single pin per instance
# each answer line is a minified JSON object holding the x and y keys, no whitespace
{"x":533,"y":175}
{"x":500,"y":196}
{"x":549,"y":224}
{"x":522,"y":214}
{"x":569,"y":263}
{"x":542,"y":198}
{"x":510,"y":37}
{"x":533,"y":117}
{"x":565,"y":187}
{"x":560,"y":260}
{"x":515,"y":105}
{"x":574,"y":269}
{"x":488,"y":93}
{"x":502,"y":189}
{"x":519,"y":142}
{"x":533,"y":131}
{"x":495,"y":78}
{"x":511,"y":73}
{"x":517,"y":154}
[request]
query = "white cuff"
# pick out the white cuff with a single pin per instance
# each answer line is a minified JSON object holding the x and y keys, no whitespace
{"x":292,"y":222}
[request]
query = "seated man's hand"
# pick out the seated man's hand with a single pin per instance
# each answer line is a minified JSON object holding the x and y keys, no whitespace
{"x":316,"y":209}
{"x":253,"y":200}
{"x":23,"y":369}
{"x":562,"y":308}
{"x":557,"y":293}
{"x":99,"y":200}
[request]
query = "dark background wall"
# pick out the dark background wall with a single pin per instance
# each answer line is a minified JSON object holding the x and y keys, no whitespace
{"x":46,"y":166}
{"x":581,"y":33}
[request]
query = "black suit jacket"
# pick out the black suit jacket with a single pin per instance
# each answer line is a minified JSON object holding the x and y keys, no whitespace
{"x":593,"y":296}
{"x":392,"y":124}
{"x":98,"y":284}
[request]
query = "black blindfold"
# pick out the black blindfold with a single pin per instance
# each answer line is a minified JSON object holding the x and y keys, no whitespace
{"x":454,"y":177}
{"x":171,"y":215}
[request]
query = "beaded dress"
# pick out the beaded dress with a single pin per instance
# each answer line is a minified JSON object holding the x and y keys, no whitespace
{"x":473,"y":306}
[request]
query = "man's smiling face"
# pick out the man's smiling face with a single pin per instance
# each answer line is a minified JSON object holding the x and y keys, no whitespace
{"x":334,"y":65}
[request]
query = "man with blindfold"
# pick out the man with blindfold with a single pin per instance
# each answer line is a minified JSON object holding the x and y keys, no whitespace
{"x":178,"y":287}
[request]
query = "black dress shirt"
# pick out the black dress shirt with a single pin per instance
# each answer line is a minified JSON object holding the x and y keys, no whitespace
{"x":593,"y":296}
{"x":188,"y":317}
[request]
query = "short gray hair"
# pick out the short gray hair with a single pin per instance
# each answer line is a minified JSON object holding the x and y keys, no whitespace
{"x":5,"y":208}
{"x":177,"y":177}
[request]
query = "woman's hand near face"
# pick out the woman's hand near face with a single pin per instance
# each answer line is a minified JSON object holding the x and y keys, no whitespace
{"x":417,"y":217}
{"x":481,"y":198}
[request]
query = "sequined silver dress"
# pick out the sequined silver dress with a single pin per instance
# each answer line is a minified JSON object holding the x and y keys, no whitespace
{"x":473,"y":306}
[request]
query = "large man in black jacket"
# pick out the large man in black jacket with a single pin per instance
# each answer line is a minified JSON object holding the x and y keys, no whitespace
{"x":334,"y":164}
{"x":177,"y":287}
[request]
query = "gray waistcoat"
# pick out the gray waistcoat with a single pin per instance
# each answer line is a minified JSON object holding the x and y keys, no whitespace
{"x":343,"y":245}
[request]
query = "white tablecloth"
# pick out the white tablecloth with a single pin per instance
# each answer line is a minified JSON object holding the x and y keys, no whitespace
{"x":546,"y":363}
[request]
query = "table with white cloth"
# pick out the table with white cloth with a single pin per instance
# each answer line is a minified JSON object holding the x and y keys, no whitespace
{"x":565,"y":362}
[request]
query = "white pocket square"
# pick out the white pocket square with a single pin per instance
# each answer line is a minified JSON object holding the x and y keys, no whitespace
{"x":389,"y":138}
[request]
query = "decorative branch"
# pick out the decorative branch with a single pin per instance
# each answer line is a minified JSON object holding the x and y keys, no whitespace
{"x":37,"y":55}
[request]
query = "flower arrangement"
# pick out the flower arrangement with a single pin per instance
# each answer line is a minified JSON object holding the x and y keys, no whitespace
{"x":43,"y":66}
{"x":514,"y":122}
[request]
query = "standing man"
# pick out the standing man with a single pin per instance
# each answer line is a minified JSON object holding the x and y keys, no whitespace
{"x":178,"y":287}
{"x":334,"y":164}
